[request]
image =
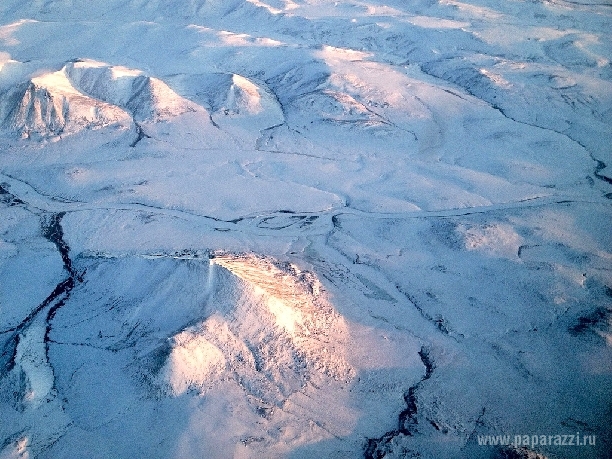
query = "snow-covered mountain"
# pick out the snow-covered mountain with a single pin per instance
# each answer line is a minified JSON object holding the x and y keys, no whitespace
{"x":49,"y":105}
{"x":305,"y":228}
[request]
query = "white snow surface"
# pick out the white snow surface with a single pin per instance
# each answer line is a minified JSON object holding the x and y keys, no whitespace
{"x":305,"y":228}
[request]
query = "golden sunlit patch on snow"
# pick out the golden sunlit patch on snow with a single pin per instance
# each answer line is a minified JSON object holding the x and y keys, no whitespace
{"x":145,"y":97}
{"x":193,"y":359}
{"x":278,"y":346}
{"x":331,"y":53}
{"x":277,"y":332}
{"x":56,"y":81}
{"x":299,"y":306}
{"x":294,"y":297}
{"x":286,"y":317}
{"x":49,"y":105}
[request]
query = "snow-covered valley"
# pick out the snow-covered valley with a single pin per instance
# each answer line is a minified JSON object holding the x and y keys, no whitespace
{"x":305,"y":229}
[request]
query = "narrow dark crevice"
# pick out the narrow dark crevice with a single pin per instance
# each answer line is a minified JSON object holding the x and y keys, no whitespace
{"x":601,"y":166}
{"x":7,"y":198}
{"x":140,"y":134}
{"x":53,"y":232}
{"x":438,"y":321}
{"x":213,"y":122}
{"x":378,"y":448}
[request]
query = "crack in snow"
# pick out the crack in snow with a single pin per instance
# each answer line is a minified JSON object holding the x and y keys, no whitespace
{"x":377,"y":448}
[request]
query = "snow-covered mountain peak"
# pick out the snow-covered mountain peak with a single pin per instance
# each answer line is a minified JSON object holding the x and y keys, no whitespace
{"x":270,"y":329}
{"x":88,"y":94}
{"x":50,"y":105}
{"x":294,"y":297}
{"x":147,"y":98}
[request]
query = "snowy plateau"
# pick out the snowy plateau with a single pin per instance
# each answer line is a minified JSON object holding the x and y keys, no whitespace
{"x":306,"y":229}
